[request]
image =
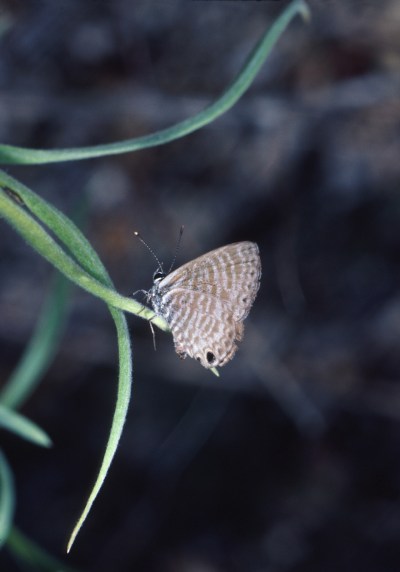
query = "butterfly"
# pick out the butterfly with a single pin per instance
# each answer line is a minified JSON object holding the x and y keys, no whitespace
{"x":206,"y":300}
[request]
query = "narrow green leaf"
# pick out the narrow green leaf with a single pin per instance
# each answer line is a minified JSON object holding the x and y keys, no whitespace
{"x":23,"y":427}
{"x":41,"y":348}
{"x":124,"y":388}
{"x":81,"y":264}
{"x":83,"y":253}
{"x":64,"y":229}
{"x":7,"y":499}
{"x":10,"y":154}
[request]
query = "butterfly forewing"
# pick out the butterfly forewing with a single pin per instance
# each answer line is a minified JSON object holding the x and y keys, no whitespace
{"x":228,"y":273}
{"x":206,"y":300}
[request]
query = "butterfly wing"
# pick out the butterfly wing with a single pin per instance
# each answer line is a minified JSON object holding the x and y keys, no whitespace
{"x":206,"y":300}
{"x":230,"y":273}
{"x":203,"y":327}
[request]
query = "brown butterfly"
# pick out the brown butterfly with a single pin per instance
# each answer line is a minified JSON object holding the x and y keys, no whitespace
{"x":206,"y":300}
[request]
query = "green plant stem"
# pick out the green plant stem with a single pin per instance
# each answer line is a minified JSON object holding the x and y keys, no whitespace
{"x":41,"y":241}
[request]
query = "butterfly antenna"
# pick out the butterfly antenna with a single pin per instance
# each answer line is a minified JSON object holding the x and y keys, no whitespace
{"x":178,"y":243}
{"x":149,"y":249}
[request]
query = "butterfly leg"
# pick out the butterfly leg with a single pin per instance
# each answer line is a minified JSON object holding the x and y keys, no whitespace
{"x":146,"y":293}
{"x":154,"y":335}
{"x":180,"y":351}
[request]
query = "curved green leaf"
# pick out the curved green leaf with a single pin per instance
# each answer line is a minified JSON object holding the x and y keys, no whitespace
{"x":23,"y":427}
{"x":81,"y":267}
{"x":41,"y":348}
{"x":80,"y":264}
{"x":123,"y":396}
{"x":10,"y":154}
{"x":7,"y":500}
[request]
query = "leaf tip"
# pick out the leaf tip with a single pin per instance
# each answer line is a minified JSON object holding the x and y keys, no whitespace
{"x":74,"y":534}
{"x":305,"y":11}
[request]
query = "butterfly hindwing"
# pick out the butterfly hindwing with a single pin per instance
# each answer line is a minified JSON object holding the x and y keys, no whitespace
{"x":203,"y":328}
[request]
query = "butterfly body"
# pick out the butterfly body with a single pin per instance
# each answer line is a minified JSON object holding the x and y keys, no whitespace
{"x":206,"y":300}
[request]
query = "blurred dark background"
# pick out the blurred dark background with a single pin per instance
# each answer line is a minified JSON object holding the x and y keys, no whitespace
{"x":290,"y":461}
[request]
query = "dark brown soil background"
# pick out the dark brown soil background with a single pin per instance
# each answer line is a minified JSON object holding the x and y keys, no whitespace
{"x":291,"y":460}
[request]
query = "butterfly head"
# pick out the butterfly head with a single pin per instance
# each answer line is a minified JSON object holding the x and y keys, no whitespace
{"x":158,"y":276}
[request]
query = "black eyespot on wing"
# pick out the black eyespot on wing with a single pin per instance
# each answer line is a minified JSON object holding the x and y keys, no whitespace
{"x":210,"y":357}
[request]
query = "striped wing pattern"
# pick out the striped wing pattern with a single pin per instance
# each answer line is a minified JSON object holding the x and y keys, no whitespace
{"x":206,"y":300}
